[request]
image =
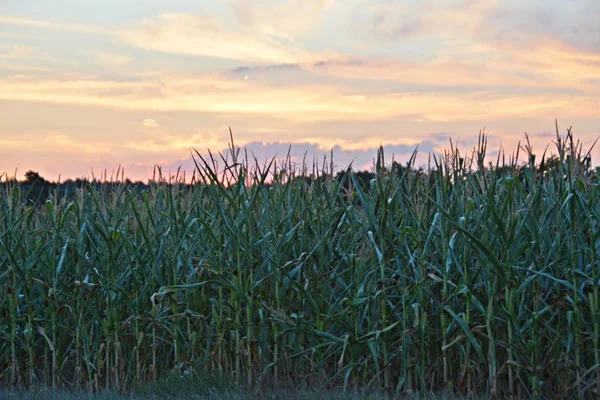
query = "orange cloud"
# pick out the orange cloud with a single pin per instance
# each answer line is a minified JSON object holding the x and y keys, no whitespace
{"x":150,"y":123}
{"x":294,"y":104}
{"x":450,"y":73}
{"x":53,"y":140}
{"x":558,"y":62}
{"x":56,"y":138}
{"x":178,"y":144}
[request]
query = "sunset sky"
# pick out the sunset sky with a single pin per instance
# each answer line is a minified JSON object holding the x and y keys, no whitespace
{"x":99,"y":83}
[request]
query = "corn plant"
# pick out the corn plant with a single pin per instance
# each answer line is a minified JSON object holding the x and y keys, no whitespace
{"x":472,"y":278}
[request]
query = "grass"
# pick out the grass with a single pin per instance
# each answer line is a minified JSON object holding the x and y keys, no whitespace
{"x":461,"y":277}
{"x":202,"y":388}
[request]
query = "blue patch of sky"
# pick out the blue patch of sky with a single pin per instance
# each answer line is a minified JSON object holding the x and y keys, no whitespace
{"x":346,"y":30}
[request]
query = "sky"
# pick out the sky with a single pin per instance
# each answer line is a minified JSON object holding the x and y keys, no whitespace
{"x":88,"y":86}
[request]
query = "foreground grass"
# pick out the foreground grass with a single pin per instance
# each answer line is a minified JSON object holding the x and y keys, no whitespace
{"x":462,"y":277}
{"x":186,"y":388}
{"x":208,"y":394}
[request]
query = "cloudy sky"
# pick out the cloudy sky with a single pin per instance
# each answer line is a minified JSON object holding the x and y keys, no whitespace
{"x":100,"y":83}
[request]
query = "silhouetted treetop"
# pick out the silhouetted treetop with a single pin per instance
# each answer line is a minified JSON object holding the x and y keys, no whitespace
{"x":32,"y":177}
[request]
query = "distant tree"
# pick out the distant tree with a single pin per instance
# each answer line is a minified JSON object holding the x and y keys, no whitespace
{"x":32,"y":177}
{"x":37,"y":188}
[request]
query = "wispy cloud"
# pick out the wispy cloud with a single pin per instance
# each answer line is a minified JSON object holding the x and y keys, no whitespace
{"x":204,"y":36}
{"x":10,"y":35}
{"x":491,"y":43}
{"x":287,"y":18}
{"x":482,"y":54}
{"x":58,"y":26}
{"x":408,"y":20}
{"x":150,"y":123}
{"x":17,"y":52}
{"x":111,"y":59}
{"x":524,"y":25}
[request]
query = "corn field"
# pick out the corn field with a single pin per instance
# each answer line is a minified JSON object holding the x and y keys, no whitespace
{"x":460,"y":276}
